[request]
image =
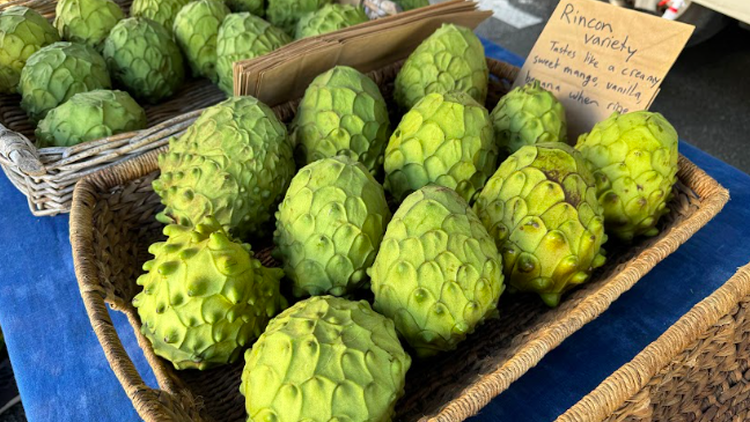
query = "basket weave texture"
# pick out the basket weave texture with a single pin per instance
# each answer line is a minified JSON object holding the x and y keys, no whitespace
{"x":112,"y":223}
{"x":47,"y":176}
{"x":696,"y":371}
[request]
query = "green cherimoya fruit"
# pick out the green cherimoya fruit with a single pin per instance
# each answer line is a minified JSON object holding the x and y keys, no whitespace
{"x":205,"y":297}
{"x":325,"y":359}
{"x":444,"y":139}
{"x":342,"y":112}
{"x":23,"y":31}
{"x":141,"y":56}
{"x":162,"y":12}
{"x":329,"y":227}
{"x":234,"y":163}
{"x":57,"y":72}
{"x":88,"y":116}
{"x":87,"y":21}
{"x":451,"y":59}
{"x":256,"y":7}
{"x":329,"y":18}
{"x":541,"y":209}
{"x":286,"y":13}
{"x":412,"y":4}
{"x":528,"y":115}
{"x":634,"y":160}
{"x":438,"y":273}
{"x":244,"y":36}
{"x":195,"y":29}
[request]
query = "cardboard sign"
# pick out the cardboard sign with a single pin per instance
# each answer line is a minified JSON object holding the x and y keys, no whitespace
{"x":598,"y":58}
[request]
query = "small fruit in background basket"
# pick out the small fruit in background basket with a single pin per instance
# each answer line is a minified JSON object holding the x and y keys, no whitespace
{"x":438,"y":273}
{"x":541,"y":209}
{"x":87,"y":21}
{"x":329,"y":227}
{"x":162,"y":12}
{"x":342,"y":111}
{"x":256,"y":7}
{"x":634,"y":160}
{"x":528,"y":115}
{"x":88,"y":116}
{"x":244,"y":36}
{"x":444,"y":139}
{"x":329,"y":18}
{"x":451,"y":59}
{"x":141,"y":56}
{"x":411,"y":4}
{"x":205,"y":297}
{"x":286,"y":13}
{"x":195,"y":30}
{"x":233,"y":163}
{"x":23,"y":31}
{"x":325,"y":359}
{"x":58,"y":71}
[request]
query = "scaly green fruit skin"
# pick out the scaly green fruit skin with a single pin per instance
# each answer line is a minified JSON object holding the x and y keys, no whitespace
{"x":195,"y":30}
{"x":342,"y":112}
{"x":141,"y":56}
{"x":541,"y":208}
{"x":57,"y":72}
{"x":634,"y":160}
{"x":162,"y":12}
{"x":451,"y":59}
{"x":438,"y":273}
{"x":23,"y":32}
{"x":234,"y":163}
{"x":528,"y":115}
{"x":329,"y":18}
{"x":87,"y":21}
{"x":444,"y":139}
{"x":329,"y":227}
{"x":244,"y":36}
{"x":88,"y":116}
{"x":205,"y":297}
{"x":412,"y":4}
{"x":286,"y":13}
{"x":256,"y":7}
{"x":325,"y":359}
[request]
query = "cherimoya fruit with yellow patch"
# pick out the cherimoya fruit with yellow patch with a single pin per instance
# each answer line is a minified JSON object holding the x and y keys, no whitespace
{"x":541,"y":208}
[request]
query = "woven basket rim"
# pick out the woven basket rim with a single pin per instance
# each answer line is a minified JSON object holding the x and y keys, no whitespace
{"x":471,"y":400}
{"x":633,"y":376}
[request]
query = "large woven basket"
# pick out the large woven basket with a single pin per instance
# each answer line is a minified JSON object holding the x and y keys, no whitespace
{"x":112,"y":223}
{"x":47,"y":175}
{"x":696,"y":371}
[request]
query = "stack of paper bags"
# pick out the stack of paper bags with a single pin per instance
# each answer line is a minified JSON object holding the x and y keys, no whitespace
{"x":284,"y":74}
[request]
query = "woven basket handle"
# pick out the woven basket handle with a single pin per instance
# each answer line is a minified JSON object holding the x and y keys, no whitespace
{"x":17,"y":150}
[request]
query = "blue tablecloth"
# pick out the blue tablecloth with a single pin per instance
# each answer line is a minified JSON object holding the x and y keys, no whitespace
{"x":63,"y":376}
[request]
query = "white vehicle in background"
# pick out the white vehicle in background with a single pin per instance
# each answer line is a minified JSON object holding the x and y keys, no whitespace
{"x":708,"y":16}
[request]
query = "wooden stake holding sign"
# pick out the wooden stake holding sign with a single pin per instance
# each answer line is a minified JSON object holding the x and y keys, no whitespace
{"x":598,"y":58}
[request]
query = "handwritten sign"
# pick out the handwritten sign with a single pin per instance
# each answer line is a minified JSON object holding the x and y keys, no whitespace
{"x":598,"y":58}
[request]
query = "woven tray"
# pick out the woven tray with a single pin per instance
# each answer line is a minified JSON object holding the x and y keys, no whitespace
{"x":112,"y":223}
{"x":696,"y":371}
{"x":47,"y":176}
